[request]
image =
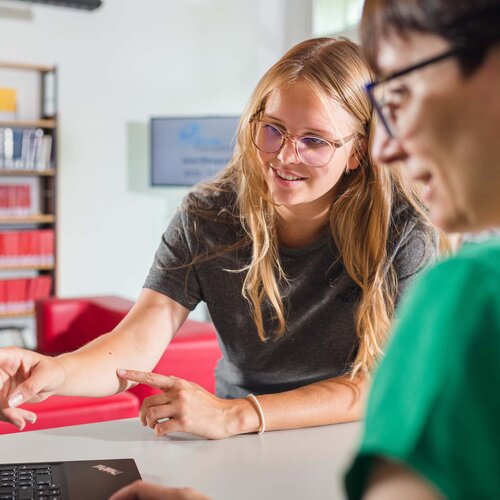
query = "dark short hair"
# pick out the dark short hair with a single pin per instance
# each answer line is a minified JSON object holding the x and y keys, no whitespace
{"x":473,"y":26}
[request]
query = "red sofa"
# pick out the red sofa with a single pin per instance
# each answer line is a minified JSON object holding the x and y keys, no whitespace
{"x":67,"y":324}
{"x":59,"y":411}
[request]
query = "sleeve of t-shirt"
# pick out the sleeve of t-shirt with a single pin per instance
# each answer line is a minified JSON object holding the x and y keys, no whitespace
{"x":173,"y":272}
{"x":434,"y":402}
{"x":414,"y":249}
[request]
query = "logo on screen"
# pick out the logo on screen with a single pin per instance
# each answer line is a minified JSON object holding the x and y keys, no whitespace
{"x":192,"y":134}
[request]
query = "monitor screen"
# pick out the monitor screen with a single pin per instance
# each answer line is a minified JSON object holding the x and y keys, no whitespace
{"x":188,"y":150}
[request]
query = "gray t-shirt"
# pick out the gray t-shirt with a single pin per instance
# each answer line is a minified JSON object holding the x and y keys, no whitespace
{"x":320,"y":298}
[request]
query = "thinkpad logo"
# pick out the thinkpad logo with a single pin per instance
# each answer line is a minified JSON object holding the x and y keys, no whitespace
{"x":108,"y":470}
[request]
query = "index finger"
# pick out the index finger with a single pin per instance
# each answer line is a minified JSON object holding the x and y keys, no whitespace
{"x":155,"y":380}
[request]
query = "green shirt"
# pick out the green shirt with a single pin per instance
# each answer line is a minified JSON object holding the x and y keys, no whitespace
{"x":435,"y":401}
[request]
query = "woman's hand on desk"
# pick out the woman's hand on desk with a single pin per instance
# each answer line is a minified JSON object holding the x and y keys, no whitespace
{"x":139,"y":490}
{"x":25,"y":376}
{"x":186,"y":407}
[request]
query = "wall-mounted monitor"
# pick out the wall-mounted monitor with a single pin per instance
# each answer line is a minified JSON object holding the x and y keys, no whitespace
{"x":187,"y":150}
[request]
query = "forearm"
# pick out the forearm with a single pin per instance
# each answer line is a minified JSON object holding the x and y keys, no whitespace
{"x":137,"y":342}
{"x":331,"y":401}
{"x":91,"y":370}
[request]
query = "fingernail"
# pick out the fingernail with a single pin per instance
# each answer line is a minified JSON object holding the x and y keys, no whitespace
{"x":31,"y":419}
{"x":121,"y":371}
{"x":19,"y":425}
{"x":15,"y":400}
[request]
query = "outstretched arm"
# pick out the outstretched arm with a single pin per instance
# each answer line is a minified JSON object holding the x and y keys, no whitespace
{"x":187,"y":407}
{"x":138,"y":341}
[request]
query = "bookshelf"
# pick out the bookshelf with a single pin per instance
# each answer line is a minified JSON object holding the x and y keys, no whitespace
{"x":49,"y":124}
{"x":23,"y":314}
{"x":30,"y":219}
{"x":28,"y":181}
{"x":20,"y":267}
{"x":41,"y":68}
{"x":28,"y":172}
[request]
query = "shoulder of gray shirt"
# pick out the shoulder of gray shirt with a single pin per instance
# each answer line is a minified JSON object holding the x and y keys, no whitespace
{"x":412,"y":245}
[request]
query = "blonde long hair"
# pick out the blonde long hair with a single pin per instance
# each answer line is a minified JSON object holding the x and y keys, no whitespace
{"x":360,"y":217}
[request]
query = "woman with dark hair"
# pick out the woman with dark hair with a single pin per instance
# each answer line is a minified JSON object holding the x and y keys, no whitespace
{"x":432,"y":424}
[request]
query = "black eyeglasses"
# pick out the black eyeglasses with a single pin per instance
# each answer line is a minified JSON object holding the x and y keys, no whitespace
{"x":312,"y":151}
{"x":377,"y":91}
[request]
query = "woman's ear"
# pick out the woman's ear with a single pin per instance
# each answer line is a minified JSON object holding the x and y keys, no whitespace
{"x":357,"y":152}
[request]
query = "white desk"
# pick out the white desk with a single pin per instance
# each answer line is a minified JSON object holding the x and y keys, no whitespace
{"x":298,"y":464}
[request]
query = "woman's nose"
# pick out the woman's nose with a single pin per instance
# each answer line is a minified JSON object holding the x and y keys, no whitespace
{"x":288,"y":152}
{"x":387,"y":149}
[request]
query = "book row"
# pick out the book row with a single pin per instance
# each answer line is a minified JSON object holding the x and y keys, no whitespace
{"x":29,"y":148}
{"x":15,"y":200}
{"x":27,"y":248}
{"x":19,"y":295}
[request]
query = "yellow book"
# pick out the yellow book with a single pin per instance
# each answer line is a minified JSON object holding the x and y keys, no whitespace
{"x":7,"y":100}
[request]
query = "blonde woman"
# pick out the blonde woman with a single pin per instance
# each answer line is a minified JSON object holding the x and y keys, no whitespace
{"x":300,"y":249}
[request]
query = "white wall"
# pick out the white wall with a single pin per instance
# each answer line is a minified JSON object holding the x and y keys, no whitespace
{"x":118,"y":66}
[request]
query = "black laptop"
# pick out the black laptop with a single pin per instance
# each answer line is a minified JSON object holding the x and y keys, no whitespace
{"x":68,"y":480}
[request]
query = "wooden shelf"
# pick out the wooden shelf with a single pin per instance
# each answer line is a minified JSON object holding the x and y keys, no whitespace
{"x":32,"y":219}
{"x":24,"y":314}
{"x":27,"y":268}
{"x":27,"y":173}
{"x":43,"y":68}
{"x":28,"y":123}
{"x":41,"y":217}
